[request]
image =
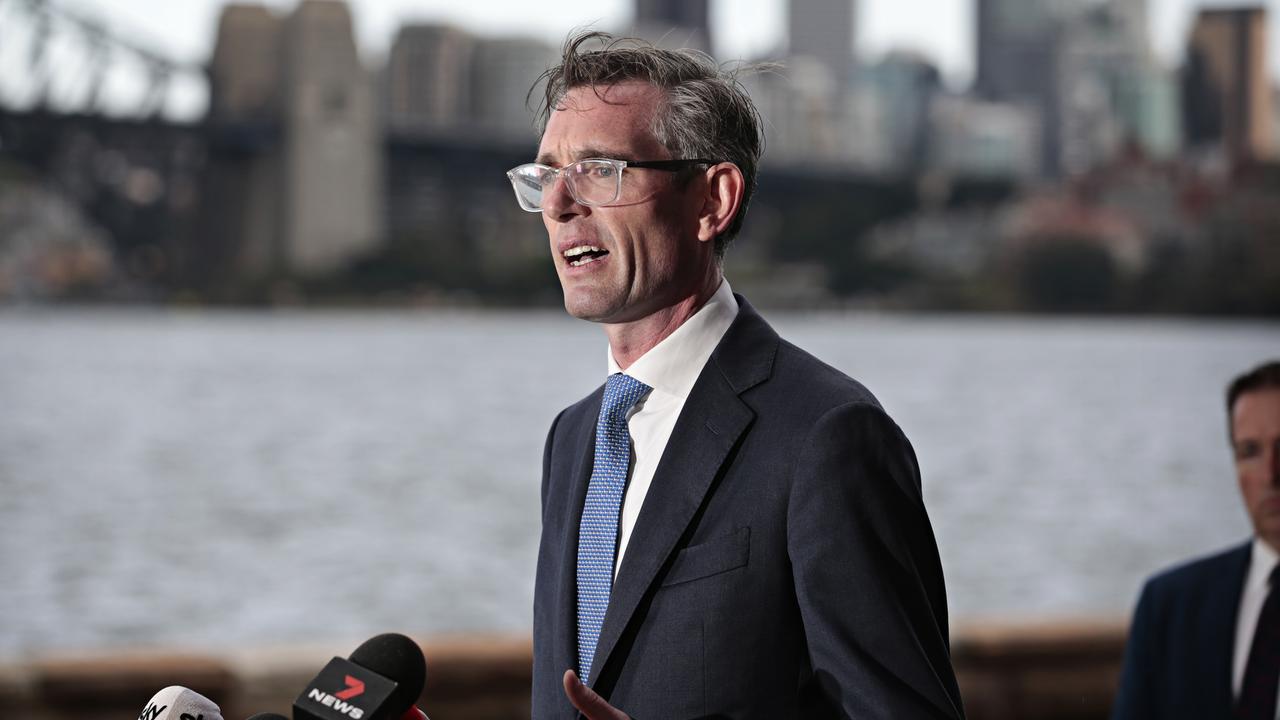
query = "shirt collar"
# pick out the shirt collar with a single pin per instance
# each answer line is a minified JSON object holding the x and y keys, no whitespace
{"x":1261,"y":562}
{"x":673,"y":365}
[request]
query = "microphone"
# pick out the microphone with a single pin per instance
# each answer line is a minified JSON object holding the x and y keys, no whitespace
{"x":178,"y":703}
{"x":381,"y":681}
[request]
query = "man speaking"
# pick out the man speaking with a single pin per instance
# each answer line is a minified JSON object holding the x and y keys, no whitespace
{"x":730,"y":528}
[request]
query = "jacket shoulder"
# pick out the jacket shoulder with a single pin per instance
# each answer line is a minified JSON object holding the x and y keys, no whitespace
{"x":764,"y":368}
{"x":1201,"y":572}
{"x":797,"y":366}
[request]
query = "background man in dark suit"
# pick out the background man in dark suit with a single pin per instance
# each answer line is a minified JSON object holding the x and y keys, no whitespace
{"x":1205,"y":638}
{"x":730,"y":528}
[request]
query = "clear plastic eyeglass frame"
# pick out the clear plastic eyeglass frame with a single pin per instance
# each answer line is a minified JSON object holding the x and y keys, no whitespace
{"x":593,"y":182}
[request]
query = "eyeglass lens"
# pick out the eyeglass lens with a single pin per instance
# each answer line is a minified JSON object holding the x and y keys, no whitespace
{"x":592,"y":182}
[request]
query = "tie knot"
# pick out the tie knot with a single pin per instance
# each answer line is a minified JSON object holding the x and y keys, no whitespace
{"x":620,"y":393}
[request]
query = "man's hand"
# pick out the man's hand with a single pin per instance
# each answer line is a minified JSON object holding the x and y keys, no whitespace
{"x":591,"y":705}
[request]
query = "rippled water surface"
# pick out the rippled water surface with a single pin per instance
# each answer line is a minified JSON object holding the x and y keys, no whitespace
{"x":219,"y":479}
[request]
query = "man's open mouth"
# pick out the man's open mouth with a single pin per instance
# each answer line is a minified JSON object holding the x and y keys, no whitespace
{"x":583,"y":254}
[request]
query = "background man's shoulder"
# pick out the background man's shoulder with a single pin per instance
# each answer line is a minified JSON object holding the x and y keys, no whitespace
{"x":1194,"y":576}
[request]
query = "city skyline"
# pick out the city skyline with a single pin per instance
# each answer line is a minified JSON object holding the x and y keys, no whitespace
{"x":742,"y":29}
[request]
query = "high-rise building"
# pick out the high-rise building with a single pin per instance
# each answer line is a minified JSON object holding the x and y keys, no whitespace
{"x":976,"y":138}
{"x":1153,"y":113}
{"x":808,"y":121}
{"x":332,"y":142}
{"x":823,"y":31}
{"x":674,"y":23}
{"x":1225,"y":95}
{"x":1017,"y":47}
{"x":244,"y":72}
{"x":1102,"y":67}
{"x":301,"y":196}
{"x":1275,"y":117}
{"x":427,"y":82}
{"x":503,"y":71}
{"x":906,"y":84}
{"x":240,"y":232}
{"x":1134,"y":20}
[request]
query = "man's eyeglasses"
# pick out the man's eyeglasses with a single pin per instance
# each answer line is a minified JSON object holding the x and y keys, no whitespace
{"x":595,"y":181}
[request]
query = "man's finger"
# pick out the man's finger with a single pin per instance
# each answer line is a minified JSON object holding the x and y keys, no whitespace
{"x":591,"y":705}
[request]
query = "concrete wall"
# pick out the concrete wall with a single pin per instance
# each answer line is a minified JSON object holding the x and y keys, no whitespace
{"x":1062,"y":671}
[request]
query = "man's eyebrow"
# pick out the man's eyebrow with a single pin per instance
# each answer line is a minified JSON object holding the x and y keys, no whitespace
{"x":587,"y":152}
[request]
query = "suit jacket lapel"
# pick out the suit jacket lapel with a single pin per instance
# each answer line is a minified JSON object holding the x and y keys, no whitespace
{"x":1220,"y":628}
{"x":567,"y":651}
{"x":713,"y":419}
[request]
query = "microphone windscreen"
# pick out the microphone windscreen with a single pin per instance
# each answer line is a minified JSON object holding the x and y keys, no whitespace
{"x":396,"y":658}
{"x":175,"y":701}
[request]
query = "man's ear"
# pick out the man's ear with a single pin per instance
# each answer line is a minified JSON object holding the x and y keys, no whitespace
{"x":723,"y":197}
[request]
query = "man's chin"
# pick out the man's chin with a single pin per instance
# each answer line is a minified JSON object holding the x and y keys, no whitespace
{"x":1268,"y":528}
{"x":587,"y":304}
{"x":589,"y":311}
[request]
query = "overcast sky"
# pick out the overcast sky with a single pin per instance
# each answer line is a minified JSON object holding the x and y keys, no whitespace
{"x":940,"y":29}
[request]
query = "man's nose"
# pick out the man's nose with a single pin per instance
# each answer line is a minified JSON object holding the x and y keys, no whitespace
{"x":558,"y":202}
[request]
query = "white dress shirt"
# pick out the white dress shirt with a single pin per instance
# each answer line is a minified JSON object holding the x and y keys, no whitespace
{"x":1261,"y":562}
{"x":671,"y":367}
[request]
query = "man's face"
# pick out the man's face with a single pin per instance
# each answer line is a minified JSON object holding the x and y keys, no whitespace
{"x":649,"y":256}
{"x":1255,"y":440}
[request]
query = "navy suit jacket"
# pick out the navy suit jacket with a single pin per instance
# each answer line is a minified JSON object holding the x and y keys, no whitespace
{"x":782,"y":566}
{"x":1177,"y":663}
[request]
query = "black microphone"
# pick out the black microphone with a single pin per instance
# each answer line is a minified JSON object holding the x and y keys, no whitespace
{"x":381,"y":681}
{"x":178,"y":703}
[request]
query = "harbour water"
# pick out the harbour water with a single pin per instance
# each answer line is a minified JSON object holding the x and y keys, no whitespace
{"x":217,"y":479}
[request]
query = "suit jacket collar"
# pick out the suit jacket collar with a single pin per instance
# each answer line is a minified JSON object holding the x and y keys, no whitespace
{"x":713,"y":418}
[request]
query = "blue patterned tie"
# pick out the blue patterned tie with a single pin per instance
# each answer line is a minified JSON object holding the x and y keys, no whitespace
{"x":598,"y":529}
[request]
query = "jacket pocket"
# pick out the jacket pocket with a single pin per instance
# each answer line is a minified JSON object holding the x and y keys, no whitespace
{"x":713,"y":557}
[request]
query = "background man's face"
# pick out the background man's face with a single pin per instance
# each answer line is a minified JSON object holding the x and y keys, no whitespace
{"x":1255,"y":440}
{"x":651,"y":256}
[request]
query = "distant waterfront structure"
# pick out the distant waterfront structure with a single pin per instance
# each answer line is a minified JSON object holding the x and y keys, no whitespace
{"x":818,"y":110}
{"x":1275,"y":117}
{"x":243,"y":228}
{"x":1103,"y":68}
{"x":1017,"y":45}
{"x":975,"y":138}
{"x":823,"y":31}
{"x":1134,"y":17}
{"x":441,"y":80}
{"x":810,"y":118}
{"x":1226,"y":98}
{"x":427,"y":82}
{"x":905,"y":84}
{"x":503,"y":71}
{"x":333,"y":152}
{"x":1155,"y":115}
{"x":796,"y":102}
{"x":306,"y":188}
{"x":244,"y":73}
{"x":675,"y":23}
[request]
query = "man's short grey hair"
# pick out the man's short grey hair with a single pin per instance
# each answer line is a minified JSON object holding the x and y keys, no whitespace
{"x":707,"y":113}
